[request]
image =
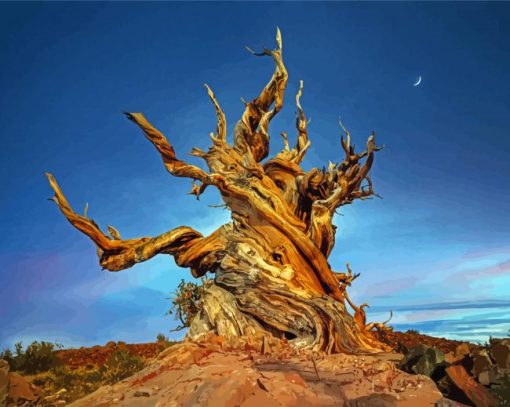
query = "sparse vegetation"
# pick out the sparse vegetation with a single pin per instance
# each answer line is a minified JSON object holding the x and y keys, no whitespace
{"x":120,"y":364}
{"x":42,"y":366}
{"x":164,"y":342}
{"x":186,"y":302}
{"x":37,"y":357}
{"x":413,"y":331}
{"x":76,"y":382}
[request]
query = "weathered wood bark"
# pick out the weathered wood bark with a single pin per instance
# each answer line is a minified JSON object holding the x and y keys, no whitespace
{"x":270,"y":262}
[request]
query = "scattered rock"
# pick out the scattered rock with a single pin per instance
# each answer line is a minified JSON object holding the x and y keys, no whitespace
{"x":56,"y":397}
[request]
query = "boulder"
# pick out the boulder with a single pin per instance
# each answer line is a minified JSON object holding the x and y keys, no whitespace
{"x":481,"y":362}
{"x":474,"y":391}
{"x":500,"y":352}
{"x":451,"y":392}
{"x":21,"y":392}
{"x":4,"y":382}
{"x":462,"y":350}
{"x":424,"y":360}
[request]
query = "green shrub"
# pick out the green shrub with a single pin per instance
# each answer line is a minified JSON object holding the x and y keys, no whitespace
{"x":413,"y":331}
{"x":38,"y":357}
{"x":164,"y":342}
{"x":161,"y":338}
{"x":82,"y":381}
{"x":120,"y":364}
{"x":40,"y":361}
{"x":186,"y":302}
{"x":77,"y":382}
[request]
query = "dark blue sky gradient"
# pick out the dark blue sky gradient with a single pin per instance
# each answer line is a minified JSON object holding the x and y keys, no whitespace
{"x":67,"y":71}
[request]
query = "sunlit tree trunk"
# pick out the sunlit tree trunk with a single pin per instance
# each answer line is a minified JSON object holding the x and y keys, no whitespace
{"x":270,"y":263}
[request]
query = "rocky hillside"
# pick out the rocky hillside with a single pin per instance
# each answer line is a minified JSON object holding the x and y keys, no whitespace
{"x":265,"y":372}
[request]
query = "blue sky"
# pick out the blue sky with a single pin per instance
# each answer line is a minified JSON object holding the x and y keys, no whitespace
{"x":436,"y":249}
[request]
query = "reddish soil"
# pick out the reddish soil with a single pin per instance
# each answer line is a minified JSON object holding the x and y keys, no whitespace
{"x":98,"y":355}
{"x":401,"y":341}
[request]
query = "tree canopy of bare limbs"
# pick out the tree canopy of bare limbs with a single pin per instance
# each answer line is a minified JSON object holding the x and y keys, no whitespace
{"x":270,"y":263}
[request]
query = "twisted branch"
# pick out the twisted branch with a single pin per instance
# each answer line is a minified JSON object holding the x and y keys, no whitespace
{"x":221,"y":128}
{"x":251,"y":131}
{"x":116,"y":254}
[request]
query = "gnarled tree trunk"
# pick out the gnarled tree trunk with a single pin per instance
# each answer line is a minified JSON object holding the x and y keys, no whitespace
{"x":270,"y":262}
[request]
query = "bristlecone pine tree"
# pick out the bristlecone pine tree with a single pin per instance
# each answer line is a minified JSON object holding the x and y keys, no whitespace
{"x":270,"y":263}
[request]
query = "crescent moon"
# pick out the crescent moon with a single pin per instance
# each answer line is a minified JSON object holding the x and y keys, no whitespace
{"x":417,"y":82}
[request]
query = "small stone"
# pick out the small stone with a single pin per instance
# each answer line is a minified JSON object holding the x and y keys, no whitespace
{"x":141,"y":393}
{"x":484,"y":379}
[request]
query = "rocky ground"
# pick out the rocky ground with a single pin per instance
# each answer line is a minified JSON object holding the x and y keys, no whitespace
{"x":267,"y":372}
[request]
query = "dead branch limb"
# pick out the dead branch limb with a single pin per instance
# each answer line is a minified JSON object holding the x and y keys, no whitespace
{"x":173,"y":165}
{"x":302,"y":139}
{"x":251,"y":131}
{"x":116,"y":254}
{"x":221,"y":129}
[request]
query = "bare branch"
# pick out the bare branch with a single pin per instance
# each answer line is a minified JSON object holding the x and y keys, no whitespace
{"x":114,"y":233}
{"x":380,"y":326}
{"x":301,"y":123}
{"x":251,"y":131}
{"x":116,"y":254}
{"x":82,"y":223}
{"x":346,"y":144}
{"x":286,"y":146}
{"x":173,"y":165}
{"x":221,"y":129}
